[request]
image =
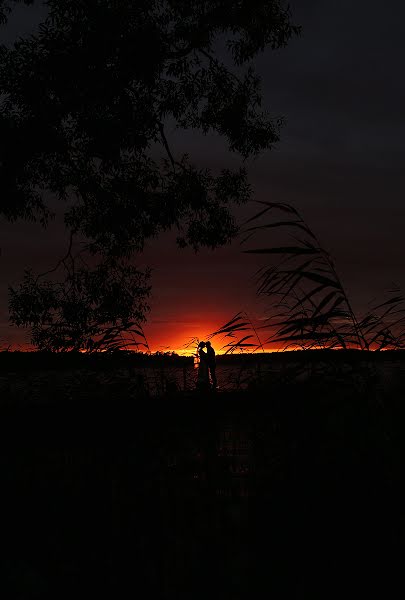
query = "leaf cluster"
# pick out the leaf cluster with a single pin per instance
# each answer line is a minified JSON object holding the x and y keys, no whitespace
{"x":86,"y":102}
{"x":91,"y":310}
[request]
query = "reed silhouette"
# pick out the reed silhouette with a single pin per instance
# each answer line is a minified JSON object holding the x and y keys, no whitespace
{"x":308,"y":305}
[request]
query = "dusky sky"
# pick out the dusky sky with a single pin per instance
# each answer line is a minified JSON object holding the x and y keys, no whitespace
{"x":340,"y":162}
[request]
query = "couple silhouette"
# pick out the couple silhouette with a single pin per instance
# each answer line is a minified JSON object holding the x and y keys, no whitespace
{"x":206,"y":368}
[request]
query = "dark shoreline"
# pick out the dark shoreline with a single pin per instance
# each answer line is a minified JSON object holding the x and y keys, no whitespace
{"x":52,"y":360}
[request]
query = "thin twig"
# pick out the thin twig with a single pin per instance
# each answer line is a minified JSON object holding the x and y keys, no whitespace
{"x":62,"y":260}
{"x":166,"y":145}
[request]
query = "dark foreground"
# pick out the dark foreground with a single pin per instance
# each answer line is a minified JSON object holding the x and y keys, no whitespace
{"x":294,"y":491}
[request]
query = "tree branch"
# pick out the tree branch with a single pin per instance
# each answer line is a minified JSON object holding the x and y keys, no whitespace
{"x":62,"y":260}
{"x":166,"y":145}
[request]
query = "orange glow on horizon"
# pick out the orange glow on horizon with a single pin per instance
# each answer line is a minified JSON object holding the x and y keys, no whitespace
{"x":183,"y":337}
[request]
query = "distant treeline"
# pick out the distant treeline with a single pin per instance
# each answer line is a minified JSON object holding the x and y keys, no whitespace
{"x":18,"y":360}
{"x":77,"y":360}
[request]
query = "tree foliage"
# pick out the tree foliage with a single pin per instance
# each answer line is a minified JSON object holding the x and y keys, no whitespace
{"x":86,"y":103}
{"x":91,"y":310}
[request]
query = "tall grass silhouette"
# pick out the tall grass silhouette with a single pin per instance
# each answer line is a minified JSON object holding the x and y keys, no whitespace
{"x":309,"y":307}
{"x":230,"y":332}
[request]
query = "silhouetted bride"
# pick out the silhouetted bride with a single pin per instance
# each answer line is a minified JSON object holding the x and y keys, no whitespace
{"x":203,"y":382}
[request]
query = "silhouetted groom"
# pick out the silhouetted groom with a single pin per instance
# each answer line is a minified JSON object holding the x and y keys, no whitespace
{"x":211,"y":363}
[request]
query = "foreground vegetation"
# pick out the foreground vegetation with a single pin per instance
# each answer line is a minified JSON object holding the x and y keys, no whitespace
{"x":292,"y":487}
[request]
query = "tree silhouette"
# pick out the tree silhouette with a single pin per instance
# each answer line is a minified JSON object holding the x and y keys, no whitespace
{"x":91,"y":310}
{"x":86,"y":103}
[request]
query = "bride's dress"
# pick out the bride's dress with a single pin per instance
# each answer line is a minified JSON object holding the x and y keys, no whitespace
{"x":202,"y":377}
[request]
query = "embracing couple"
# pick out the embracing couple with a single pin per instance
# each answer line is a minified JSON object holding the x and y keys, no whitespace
{"x":206,"y":367}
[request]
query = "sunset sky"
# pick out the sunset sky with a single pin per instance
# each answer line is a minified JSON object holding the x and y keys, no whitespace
{"x":340,"y":162}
